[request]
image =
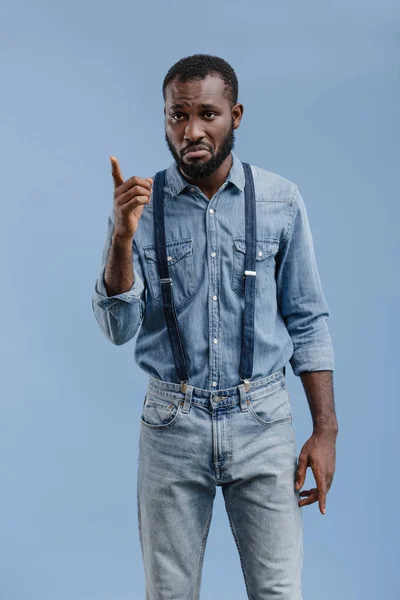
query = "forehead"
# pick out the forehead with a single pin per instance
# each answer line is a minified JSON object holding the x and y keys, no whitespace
{"x":208,"y":90}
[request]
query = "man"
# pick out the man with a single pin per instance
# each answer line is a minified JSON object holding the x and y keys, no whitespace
{"x":205,"y":421}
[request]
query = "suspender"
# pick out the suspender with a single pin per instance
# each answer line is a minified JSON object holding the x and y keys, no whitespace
{"x":166,"y":282}
{"x":247,"y":351}
{"x":246,"y":359}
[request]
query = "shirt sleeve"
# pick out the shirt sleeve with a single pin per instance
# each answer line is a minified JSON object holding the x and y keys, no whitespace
{"x":119,"y":316}
{"x":300,"y":297}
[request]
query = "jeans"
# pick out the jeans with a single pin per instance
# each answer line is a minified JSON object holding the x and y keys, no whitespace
{"x":190,"y":443}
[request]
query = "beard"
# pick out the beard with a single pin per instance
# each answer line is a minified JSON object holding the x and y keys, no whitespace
{"x":198,"y":169}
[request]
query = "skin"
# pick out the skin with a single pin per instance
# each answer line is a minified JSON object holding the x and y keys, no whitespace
{"x":192,"y":124}
{"x":319,"y":451}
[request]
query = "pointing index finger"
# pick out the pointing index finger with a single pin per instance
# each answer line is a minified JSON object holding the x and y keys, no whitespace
{"x":116,"y":172}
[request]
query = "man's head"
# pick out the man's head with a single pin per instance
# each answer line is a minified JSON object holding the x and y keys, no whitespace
{"x":190,"y":84}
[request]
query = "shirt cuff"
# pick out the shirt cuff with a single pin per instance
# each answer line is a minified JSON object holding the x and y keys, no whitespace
{"x":131,"y":296}
{"x":314,"y":357}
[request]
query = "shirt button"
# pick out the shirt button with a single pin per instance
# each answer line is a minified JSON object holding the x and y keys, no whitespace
{"x":213,"y":253}
{"x":260,"y":253}
{"x":214,"y":383}
{"x":215,"y":341}
{"x":192,"y":189}
{"x":214,"y":297}
{"x":169,"y":257}
{"x":211,"y":210}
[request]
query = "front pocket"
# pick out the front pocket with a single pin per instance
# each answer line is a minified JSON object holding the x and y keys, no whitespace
{"x":266,"y":250}
{"x":181,"y":267}
{"x":271,"y":407}
{"x":159,"y":413}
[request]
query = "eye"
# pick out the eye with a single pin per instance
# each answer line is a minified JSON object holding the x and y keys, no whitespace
{"x":211,"y":113}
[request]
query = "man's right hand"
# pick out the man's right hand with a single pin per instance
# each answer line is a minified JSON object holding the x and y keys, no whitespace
{"x":129,"y":199}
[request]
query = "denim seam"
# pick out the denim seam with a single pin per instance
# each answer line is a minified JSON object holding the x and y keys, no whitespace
{"x":174,"y":419}
{"x":267,"y":391}
{"x":240,"y":553}
{"x":267,"y":423}
{"x":201,"y":559}
{"x":290,"y":223}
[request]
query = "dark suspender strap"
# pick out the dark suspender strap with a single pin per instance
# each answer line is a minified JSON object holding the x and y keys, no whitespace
{"x":166,"y":282}
{"x":246,"y":359}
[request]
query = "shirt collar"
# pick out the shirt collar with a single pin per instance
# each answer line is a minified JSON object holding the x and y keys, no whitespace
{"x":176,"y":182}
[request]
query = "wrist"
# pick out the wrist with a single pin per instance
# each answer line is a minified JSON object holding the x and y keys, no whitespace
{"x":122,"y":240}
{"x":324,"y":430}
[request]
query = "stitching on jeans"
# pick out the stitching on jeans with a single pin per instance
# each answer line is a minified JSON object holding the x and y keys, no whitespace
{"x":202,"y":548}
{"x":238,"y":547}
{"x":267,"y":391}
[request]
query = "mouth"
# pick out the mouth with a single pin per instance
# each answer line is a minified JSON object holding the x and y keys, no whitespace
{"x":196,"y":153}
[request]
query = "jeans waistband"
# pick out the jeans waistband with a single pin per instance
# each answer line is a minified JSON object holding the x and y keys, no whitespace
{"x":167,"y":389}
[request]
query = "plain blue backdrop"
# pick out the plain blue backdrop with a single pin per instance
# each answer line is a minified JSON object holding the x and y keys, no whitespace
{"x":82,"y":81}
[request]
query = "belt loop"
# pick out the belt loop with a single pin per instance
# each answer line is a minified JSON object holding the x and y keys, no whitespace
{"x":243,"y":400}
{"x":188,"y":397}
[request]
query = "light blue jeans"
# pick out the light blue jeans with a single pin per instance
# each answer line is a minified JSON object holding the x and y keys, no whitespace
{"x":242,"y":441}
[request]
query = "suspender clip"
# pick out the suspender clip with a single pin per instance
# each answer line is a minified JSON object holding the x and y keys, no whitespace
{"x":246,"y":384}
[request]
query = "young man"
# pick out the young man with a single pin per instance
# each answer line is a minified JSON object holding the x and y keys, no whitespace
{"x":215,"y":261}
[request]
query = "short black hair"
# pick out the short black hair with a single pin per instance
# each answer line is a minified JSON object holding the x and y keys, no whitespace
{"x":198,"y":66}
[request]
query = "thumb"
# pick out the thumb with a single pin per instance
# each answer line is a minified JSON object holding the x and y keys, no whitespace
{"x":116,"y":172}
{"x":301,"y":471}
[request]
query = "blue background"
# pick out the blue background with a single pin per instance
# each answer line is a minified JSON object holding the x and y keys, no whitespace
{"x":82,"y":81}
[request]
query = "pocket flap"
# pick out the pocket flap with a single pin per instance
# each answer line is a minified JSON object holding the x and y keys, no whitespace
{"x":175,"y":251}
{"x":264,"y":248}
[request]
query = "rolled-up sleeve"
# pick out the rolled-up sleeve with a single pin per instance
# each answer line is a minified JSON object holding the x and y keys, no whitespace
{"x":119,"y":316}
{"x":300,"y":297}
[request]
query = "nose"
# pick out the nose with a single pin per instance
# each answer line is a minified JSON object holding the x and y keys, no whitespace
{"x":194,"y":131}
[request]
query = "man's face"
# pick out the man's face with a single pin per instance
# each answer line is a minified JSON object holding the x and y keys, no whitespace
{"x":204,"y":118}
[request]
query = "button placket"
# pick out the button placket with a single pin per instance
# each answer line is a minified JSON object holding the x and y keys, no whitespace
{"x":213,"y":237}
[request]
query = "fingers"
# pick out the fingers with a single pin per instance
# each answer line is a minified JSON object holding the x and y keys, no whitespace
{"x":116,"y":172}
{"x":146,"y":182}
{"x":137,"y":191}
{"x":301,"y":470}
{"x":315,"y":494}
{"x":312,"y":496}
{"x":133,"y":203}
{"x":322,"y":491}
{"x":133,"y":182}
{"x":320,"y":480}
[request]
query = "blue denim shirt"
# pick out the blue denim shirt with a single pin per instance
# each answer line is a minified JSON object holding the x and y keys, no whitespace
{"x":206,"y":250}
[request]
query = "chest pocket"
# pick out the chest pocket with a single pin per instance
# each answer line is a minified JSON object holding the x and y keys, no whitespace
{"x":181,"y":266}
{"x":265,"y":264}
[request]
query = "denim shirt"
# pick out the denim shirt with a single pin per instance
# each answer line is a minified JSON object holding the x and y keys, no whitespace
{"x":205,"y":242}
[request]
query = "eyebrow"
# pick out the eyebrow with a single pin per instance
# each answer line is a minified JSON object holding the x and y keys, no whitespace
{"x":203,"y":105}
